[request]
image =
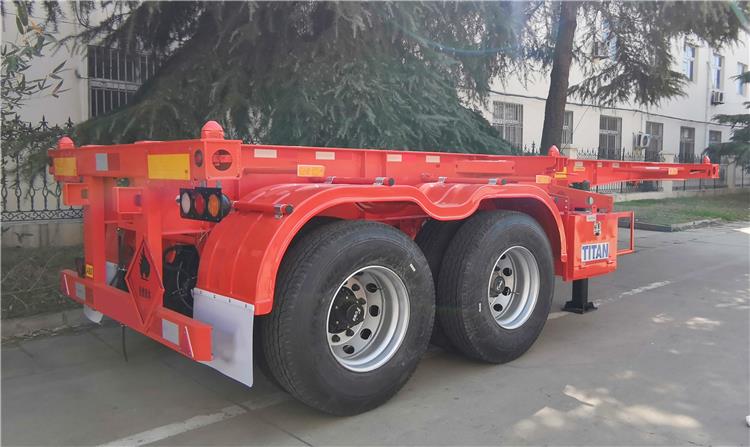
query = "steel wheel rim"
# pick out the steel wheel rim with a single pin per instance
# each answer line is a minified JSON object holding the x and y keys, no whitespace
{"x":513,"y":288}
{"x":384,"y":300}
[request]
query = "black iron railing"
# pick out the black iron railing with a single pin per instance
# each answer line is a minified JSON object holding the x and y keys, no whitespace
{"x":27,"y":191}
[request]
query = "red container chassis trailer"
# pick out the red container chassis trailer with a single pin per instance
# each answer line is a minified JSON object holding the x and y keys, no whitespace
{"x":346,"y":261}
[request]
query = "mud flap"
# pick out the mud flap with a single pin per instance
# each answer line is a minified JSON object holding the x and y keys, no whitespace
{"x":232,"y":333}
{"x":90,"y":313}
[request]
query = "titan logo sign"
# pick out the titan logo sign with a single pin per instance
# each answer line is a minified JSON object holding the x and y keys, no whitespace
{"x":594,"y":252}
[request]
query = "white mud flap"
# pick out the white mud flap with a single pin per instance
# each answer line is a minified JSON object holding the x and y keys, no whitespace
{"x":91,"y":314}
{"x":232,"y":334}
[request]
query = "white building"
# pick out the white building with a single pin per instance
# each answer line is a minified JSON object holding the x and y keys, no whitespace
{"x":96,"y":79}
{"x":679,"y":126}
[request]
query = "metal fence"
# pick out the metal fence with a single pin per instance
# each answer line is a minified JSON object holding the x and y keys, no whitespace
{"x":700,"y":184}
{"x":31,"y":194}
{"x":741,"y":175}
{"x":622,"y":154}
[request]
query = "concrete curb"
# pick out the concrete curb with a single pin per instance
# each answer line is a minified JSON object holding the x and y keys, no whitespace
{"x":49,"y":323}
{"x":672,"y":227}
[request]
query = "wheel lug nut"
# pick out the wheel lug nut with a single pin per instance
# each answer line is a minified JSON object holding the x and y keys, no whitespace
{"x":507,"y":271}
{"x":335,"y":339}
{"x":372,"y":288}
{"x":506,"y":291}
{"x":349,"y":332}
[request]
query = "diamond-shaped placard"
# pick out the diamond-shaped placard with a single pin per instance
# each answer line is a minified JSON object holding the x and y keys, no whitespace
{"x":144,"y":283}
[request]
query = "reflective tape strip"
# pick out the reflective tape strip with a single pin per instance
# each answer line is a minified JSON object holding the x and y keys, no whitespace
{"x":65,"y":166}
{"x":170,"y":331}
{"x":169,"y":166}
{"x":432,"y":158}
{"x":265,"y":153}
{"x":319,"y":155}
{"x":81,"y":291}
{"x":102,"y":162}
{"x":393,"y":158}
{"x":311,"y":170}
{"x":543,"y":179}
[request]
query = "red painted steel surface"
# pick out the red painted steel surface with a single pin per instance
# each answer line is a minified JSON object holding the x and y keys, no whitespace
{"x":276,"y":190}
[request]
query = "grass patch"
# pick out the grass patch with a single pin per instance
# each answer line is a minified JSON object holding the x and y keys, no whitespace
{"x":727,"y":207}
{"x":31,"y":280}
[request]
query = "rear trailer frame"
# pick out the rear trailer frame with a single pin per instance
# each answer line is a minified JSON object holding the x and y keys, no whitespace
{"x":241,"y":205}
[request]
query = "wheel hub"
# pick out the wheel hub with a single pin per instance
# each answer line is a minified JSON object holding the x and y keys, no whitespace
{"x":513,"y":287}
{"x":368,"y":318}
{"x":498,"y":286}
{"x":347,"y":312}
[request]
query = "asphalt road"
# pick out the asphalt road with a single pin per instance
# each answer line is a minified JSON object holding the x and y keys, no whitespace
{"x":664,"y":360}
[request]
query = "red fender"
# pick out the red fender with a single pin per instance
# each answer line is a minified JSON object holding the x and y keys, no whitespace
{"x":243,"y":252}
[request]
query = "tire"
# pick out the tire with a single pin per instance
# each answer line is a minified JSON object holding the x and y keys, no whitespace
{"x":259,"y":355}
{"x":317,"y":275}
{"x":433,"y":239}
{"x":470,"y":278}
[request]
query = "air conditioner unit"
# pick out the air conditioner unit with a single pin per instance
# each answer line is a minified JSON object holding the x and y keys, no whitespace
{"x":642,"y":139}
{"x":717,"y":97}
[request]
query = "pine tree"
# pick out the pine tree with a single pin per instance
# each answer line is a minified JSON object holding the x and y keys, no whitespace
{"x":737,"y":149}
{"x":638,"y":37}
{"x":365,"y":74}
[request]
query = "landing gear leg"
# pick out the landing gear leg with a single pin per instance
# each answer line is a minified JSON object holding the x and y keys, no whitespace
{"x":580,"y":300}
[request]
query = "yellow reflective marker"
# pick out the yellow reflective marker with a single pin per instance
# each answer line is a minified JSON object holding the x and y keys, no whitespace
{"x":169,"y":166}
{"x":65,"y":166}
{"x":89,"y":271}
{"x":543,"y":179}
{"x":311,"y":170}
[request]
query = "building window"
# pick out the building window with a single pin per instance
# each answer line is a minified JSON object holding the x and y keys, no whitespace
{"x":114,"y":77}
{"x":714,"y":137}
{"x":687,"y":144}
{"x":610,"y":137}
{"x":717,"y":74}
{"x":741,"y":86}
{"x":508,"y":119}
{"x":688,"y":61}
{"x":656,"y":141}
{"x":605,"y":42}
{"x":567,"y":133}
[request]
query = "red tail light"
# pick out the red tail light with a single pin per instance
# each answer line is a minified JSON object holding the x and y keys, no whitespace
{"x":204,"y":204}
{"x":222,"y":160}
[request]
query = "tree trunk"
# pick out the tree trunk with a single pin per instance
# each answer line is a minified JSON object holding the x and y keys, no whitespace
{"x":554,"y":110}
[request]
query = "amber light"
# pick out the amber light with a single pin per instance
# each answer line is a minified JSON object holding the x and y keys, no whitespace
{"x":214,"y":205}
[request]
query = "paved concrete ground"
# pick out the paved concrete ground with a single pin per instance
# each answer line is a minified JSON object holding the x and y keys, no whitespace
{"x":663,"y":361}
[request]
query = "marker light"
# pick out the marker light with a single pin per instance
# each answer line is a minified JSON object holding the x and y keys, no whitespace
{"x":185,"y":202}
{"x":214,"y":205}
{"x":203,"y":203}
{"x":199,"y":204}
{"x":198,"y":158}
{"x":221,"y":160}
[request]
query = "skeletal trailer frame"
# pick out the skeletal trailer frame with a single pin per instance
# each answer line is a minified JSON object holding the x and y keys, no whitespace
{"x":268,"y":193}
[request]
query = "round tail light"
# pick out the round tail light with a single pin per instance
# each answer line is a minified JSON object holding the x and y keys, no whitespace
{"x":214,"y":205}
{"x":185,"y":203}
{"x":199,"y":204}
{"x":221,"y":160}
